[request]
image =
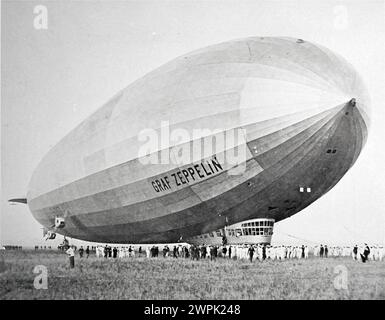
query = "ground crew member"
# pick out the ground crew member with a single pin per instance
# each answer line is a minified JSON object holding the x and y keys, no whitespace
{"x":71,"y":254}
{"x":355,"y":251}
{"x":251,"y":253}
{"x":364,"y":257}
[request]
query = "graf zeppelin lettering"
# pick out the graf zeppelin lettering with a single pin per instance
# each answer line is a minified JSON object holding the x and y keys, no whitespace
{"x":190,"y":174}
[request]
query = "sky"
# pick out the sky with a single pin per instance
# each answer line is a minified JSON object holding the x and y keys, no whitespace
{"x":53,"y":78}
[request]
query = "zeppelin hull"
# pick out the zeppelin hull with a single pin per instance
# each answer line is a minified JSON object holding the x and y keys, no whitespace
{"x":299,"y":141}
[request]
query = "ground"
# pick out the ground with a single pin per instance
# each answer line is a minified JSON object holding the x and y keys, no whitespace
{"x":169,"y":278}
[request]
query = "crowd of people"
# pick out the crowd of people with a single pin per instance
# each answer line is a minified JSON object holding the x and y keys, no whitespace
{"x":251,"y":252}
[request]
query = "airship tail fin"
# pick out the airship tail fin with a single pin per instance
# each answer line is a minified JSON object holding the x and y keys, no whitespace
{"x":18,"y":200}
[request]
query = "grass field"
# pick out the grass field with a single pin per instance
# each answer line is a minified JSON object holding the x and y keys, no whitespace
{"x":168,"y":278}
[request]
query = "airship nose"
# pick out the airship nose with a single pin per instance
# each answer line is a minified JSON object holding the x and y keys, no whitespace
{"x":360,"y":110}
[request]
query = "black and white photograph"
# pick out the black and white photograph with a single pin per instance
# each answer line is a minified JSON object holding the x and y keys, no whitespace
{"x":187,"y":151}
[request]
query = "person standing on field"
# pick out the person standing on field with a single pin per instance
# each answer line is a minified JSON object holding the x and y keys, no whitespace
{"x":321,"y":251}
{"x":251,"y":253}
{"x":365,"y":255}
{"x":71,"y":253}
{"x":212,"y":256}
{"x":87,"y":252}
{"x":355,"y":252}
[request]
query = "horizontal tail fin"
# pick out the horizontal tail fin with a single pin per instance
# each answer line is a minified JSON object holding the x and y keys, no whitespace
{"x":18,"y":200}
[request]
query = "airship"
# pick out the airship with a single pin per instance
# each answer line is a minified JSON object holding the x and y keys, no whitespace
{"x":253,"y":128}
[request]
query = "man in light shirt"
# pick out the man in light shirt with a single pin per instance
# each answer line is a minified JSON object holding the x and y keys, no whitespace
{"x":71,"y":254}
